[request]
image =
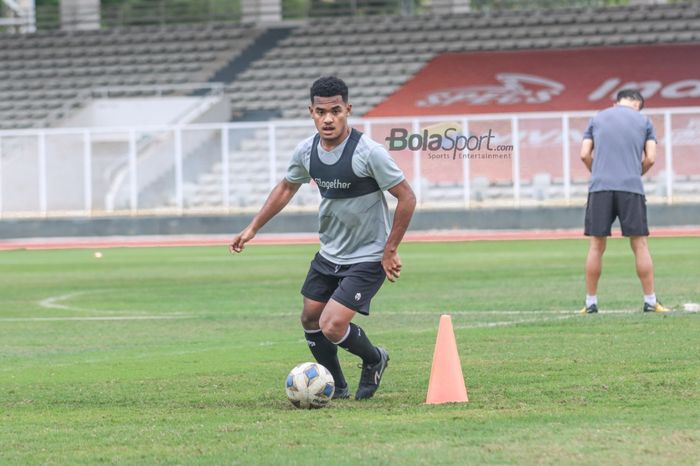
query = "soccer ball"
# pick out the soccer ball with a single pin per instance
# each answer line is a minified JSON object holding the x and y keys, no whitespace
{"x":310,"y":385}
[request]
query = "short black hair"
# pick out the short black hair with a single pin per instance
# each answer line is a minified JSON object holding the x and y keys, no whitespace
{"x":632,"y":94}
{"x":329,"y":86}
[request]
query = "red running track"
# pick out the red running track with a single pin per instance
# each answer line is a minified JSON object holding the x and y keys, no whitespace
{"x":309,"y":238}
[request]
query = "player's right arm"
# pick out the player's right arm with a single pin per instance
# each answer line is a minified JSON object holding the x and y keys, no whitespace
{"x":587,"y":146}
{"x":587,"y":153}
{"x":278,"y":198}
{"x":649,"y":156}
{"x":297,"y":174}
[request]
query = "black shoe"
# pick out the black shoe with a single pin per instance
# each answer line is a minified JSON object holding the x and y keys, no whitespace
{"x":372,"y":375}
{"x":592,"y":309}
{"x":341,"y":393}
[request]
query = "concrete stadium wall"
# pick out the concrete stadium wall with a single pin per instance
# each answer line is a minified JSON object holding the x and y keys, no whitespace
{"x":455,"y":219}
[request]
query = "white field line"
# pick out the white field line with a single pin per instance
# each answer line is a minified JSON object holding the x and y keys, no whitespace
{"x":52,"y":302}
{"x":562,"y":315}
{"x":557,"y":315}
{"x":493,"y":324}
{"x":55,"y":302}
{"x":502,"y":312}
{"x":97,"y":318}
{"x":479,"y":312}
{"x":509,"y":323}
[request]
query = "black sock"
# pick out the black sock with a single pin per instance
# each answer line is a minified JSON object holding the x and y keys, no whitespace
{"x":326,"y":354}
{"x":358,"y":344}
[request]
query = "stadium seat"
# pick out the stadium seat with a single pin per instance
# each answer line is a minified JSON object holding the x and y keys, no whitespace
{"x":155,"y":54}
{"x":131,"y":56}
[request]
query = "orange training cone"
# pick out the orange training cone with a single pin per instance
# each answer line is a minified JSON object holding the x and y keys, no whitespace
{"x":446,"y":380}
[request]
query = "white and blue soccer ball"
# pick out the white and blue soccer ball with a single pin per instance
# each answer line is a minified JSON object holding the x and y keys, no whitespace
{"x":310,"y":385}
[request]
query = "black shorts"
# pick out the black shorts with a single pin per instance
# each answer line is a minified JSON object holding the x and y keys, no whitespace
{"x":604,"y":206}
{"x":352,"y":285}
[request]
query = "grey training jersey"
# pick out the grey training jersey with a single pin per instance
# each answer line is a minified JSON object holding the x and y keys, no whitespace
{"x":354,"y":229}
{"x":619,"y":134}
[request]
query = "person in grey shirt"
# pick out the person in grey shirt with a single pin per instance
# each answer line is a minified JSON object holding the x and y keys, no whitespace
{"x":359,"y":243}
{"x":619,"y":146}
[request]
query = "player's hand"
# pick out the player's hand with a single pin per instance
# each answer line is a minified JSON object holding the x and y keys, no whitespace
{"x":391,"y":262}
{"x":238,"y":243}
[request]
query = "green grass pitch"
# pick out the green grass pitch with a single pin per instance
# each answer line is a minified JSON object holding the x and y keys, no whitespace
{"x":191,"y":367}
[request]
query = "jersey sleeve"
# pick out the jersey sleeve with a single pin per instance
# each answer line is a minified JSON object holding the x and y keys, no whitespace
{"x":588,"y":133}
{"x":297,"y":171}
{"x":651,"y":132}
{"x":383,"y":168}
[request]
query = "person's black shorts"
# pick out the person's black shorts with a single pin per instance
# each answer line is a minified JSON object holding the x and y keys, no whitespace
{"x":352,"y":285}
{"x":604,"y":206}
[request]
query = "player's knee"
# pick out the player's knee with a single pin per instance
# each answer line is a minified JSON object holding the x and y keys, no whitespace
{"x":332,"y":328}
{"x":598,"y":246}
{"x":309,"y":321}
{"x":638,"y":243}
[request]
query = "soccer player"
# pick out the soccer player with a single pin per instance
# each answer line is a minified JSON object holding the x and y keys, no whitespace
{"x":619,"y":146}
{"x":358,"y":242}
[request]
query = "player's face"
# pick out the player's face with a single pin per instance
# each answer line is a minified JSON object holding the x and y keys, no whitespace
{"x":330,"y":115}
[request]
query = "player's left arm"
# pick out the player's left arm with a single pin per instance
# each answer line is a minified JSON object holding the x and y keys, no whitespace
{"x":391,"y":262}
{"x":380,"y":166}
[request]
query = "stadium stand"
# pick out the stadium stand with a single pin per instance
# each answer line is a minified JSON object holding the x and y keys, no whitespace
{"x":45,"y":75}
{"x":376,"y":55}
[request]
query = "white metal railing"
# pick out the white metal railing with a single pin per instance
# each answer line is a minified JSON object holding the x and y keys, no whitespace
{"x":205,"y":89}
{"x":232,"y":166}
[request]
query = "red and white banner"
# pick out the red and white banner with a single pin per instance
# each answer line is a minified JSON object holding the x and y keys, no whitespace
{"x":548,"y":80}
